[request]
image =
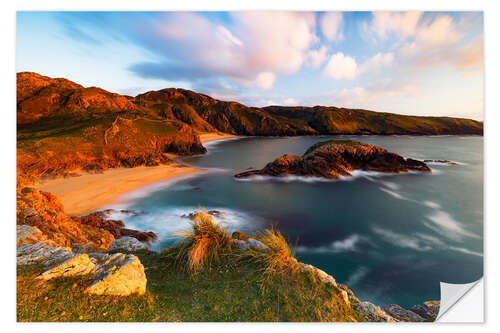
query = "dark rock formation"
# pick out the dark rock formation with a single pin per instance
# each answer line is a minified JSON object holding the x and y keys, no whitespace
{"x":335,"y":158}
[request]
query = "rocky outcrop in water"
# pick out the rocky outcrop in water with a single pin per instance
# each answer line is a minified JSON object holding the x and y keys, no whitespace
{"x":335,"y":158}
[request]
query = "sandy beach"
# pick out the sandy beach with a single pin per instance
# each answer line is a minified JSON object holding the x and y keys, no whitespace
{"x":89,"y":192}
{"x":207,"y":137}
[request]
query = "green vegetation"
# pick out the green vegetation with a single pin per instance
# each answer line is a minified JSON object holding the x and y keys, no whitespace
{"x":279,"y":260}
{"x":205,"y":245}
{"x":221,"y":283}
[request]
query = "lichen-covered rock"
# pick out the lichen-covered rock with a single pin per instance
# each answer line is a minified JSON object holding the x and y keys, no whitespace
{"x":119,"y":274}
{"x":76,"y":266}
{"x":46,"y":252}
{"x":352,"y":298}
{"x":402,"y":314}
{"x":249,"y":243}
{"x":371,"y":312}
{"x":28,"y":235}
{"x":128,"y":244}
{"x":429,"y":310}
{"x":322,"y":275}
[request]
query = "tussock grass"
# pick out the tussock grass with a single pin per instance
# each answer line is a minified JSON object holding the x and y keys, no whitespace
{"x":278,"y":259}
{"x":205,"y":245}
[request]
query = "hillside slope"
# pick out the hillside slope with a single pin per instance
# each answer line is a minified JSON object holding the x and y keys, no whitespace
{"x":63,"y":126}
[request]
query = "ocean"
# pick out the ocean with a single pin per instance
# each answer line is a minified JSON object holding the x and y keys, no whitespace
{"x":390,"y":237}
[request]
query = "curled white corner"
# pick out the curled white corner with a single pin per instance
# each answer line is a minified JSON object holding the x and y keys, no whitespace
{"x":461,"y":302}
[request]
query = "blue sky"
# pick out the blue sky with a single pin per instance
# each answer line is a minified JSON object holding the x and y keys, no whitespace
{"x":420,"y":63}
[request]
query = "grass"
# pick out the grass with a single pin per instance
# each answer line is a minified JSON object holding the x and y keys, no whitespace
{"x":205,"y":244}
{"x":279,"y":260}
{"x":221,"y":294}
{"x":224,"y":288}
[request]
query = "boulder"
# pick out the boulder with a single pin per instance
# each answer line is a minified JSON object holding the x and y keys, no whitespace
{"x":352,"y":298}
{"x":28,"y":235}
{"x":429,"y":310}
{"x":76,"y":266}
{"x":322,"y":275}
{"x":402,"y":314}
{"x":33,"y":247}
{"x":120,"y":275}
{"x":128,"y":244}
{"x":371,"y":312}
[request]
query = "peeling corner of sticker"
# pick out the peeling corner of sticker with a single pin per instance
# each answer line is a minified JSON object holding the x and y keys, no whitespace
{"x":461,"y":302}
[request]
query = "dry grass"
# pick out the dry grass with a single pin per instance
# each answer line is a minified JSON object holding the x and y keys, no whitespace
{"x":205,"y":244}
{"x":279,"y":259}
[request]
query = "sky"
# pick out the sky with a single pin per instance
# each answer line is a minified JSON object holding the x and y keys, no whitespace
{"x":416,"y":63}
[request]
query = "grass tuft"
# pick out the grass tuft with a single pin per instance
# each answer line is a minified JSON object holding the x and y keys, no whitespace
{"x":279,"y":259}
{"x":204,"y":245}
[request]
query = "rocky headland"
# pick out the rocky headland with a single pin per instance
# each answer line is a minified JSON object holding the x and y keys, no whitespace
{"x":336,"y":158}
{"x":65,"y":129}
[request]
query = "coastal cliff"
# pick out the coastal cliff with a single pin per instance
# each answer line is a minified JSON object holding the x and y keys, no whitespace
{"x":65,"y":128}
{"x":335,"y":158}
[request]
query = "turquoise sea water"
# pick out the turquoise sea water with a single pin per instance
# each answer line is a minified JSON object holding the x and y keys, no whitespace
{"x":390,"y":238}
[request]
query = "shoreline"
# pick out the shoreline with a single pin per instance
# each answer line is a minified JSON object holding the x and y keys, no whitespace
{"x":84,"y":194}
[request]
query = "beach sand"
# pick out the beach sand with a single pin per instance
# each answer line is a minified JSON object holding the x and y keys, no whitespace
{"x":207,"y":137}
{"x":89,"y":192}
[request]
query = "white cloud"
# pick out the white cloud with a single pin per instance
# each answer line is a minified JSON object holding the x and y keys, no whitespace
{"x":252,"y":50}
{"x":376,"y":62}
{"x":469,"y":58}
{"x":275,"y":41}
{"x":360,"y":96}
{"x":440,"y":32}
{"x":226,"y":34}
{"x":331,"y":26}
{"x":341,"y":67}
{"x":315,"y":58}
{"x":403,"y":24}
{"x":345,"y":67}
{"x":265,"y":80}
{"x":290,"y":101}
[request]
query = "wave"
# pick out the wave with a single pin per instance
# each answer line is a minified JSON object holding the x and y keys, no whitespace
{"x":431,"y":204}
{"x":313,"y":179}
{"x":348,"y":244}
{"x":448,"y":163}
{"x":211,"y":144}
{"x":166,"y":223}
{"x":286,"y":179}
{"x":445,"y":224}
{"x":466,"y":251}
{"x":395,"y":194}
{"x":401,"y":240}
{"x":356,"y":276}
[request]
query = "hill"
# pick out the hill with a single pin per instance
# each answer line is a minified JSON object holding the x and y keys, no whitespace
{"x":63,"y":126}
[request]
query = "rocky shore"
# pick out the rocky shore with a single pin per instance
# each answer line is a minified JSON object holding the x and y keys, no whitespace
{"x":336,"y":158}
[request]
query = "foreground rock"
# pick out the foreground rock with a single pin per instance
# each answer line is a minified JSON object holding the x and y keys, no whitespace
{"x":120,"y":275}
{"x":402,"y":314}
{"x":113,"y":274}
{"x":371,"y":312}
{"x":335,"y":158}
{"x":429,"y":310}
{"x":75,"y":266}
{"x":128,"y":244}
